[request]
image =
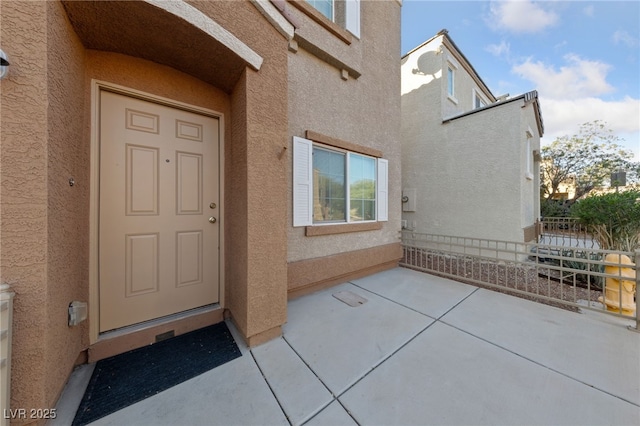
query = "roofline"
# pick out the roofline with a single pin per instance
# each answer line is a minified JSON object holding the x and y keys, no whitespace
{"x":529,"y":98}
{"x":441,"y":32}
{"x":455,"y":50}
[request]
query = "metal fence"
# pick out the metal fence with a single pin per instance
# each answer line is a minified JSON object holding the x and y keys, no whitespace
{"x":565,"y":231}
{"x":566,"y":276}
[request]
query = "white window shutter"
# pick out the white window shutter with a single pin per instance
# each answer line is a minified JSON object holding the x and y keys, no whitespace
{"x":353,"y":17}
{"x":382,"y":197}
{"x":302,"y":180}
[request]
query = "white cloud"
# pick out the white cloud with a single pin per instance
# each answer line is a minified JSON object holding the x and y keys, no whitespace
{"x":589,"y":10}
{"x":580,"y":78}
{"x":563,"y":116}
{"x":569,"y":96}
{"x":523,"y":16}
{"x":560,"y":45}
{"x":625,"y":38}
{"x":499,"y":49}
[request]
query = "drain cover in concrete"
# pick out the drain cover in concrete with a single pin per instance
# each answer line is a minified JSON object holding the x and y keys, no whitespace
{"x":350,"y":298}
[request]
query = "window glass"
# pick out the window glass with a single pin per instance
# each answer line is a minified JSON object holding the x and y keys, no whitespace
{"x":323,"y":6}
{"x":450,"y":82}
{"x":333,"y":185}
{"x":362,"y":188}
{"x":329,"y":186}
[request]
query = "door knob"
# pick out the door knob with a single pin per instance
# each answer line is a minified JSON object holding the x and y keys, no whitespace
{"x":212,"y":219}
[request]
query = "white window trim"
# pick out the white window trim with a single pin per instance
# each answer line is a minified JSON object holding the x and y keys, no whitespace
{"x":528,"y":154}
{"x":303,"y":185}
{"x":352,"y":17}
{"x":475,"y":97}
{"x":452,"y":96}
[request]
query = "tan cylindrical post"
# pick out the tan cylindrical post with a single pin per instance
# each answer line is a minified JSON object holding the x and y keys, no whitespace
{"x":620,"y":284}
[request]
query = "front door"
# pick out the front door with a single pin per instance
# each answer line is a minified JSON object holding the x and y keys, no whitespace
{"x":159,"y":204}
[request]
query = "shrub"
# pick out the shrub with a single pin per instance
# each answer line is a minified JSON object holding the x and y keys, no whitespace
{"x":554,"y":208}
{"x":613,"y":219}
{"x":594,"y":281}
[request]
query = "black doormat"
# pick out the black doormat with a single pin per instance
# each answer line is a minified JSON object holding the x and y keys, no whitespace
{"x":122,"y":380}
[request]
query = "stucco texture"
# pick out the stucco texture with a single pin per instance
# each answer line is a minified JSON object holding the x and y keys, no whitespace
{"x":255,"y":238}
{"x":46,"y":131}
{"x":363,"y":111}
{"x":469,"y":172}
{"x":24,"y":193}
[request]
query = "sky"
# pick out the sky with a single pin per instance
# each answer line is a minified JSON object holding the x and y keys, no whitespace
{"x":583,"y":57}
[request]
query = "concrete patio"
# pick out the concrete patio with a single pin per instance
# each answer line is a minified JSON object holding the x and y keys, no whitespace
{"x":421,"y":350}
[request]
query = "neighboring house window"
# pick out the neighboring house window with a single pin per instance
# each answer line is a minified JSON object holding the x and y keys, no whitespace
{"x":337,"y":186}
{"x":478,"y":102}
{"x":345,"y":13}
{"x":451,"y":82}
{"x":529,"y":155}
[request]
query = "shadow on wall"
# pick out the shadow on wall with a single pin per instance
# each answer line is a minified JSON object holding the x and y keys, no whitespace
{"x":428,"y":69}
{"x":428,"y":64}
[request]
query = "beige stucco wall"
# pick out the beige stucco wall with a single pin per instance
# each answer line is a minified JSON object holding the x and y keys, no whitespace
{"x":530,"y":182}
{"x":256,"y":197}
{"x":46,"y":134}
{"x":363,"y":111}
{"x":482,"y":196}
{"x":469,"y":173}
{"x":23,"y":197}
{"x":464,"y":85}
{"x":67,"y":218}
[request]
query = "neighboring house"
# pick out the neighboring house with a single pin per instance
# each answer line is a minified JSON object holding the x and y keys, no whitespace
{"x":173,"y":163}
{"x":566,"y":190}
{"x":470,"y":160}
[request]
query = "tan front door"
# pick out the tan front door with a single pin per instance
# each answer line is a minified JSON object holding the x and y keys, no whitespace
{"x":159,"y":205}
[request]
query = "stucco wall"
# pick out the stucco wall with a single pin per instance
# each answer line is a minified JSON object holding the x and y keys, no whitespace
{"x":530,"y":183}
{"x":464,"y":87}
{"x":468,"y":172}
{"x":481,"y":195}
{"x":23,"y":197}
{"x":363,"y":111}
{"x":256,"y":243}
{"x":68,"y":208}
{"x":45,"y":141}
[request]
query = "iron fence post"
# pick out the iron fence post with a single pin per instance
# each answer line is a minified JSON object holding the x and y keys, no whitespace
{"x":637,"y":270}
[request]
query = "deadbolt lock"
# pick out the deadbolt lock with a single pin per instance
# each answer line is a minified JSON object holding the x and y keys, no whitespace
{"x":212,"y":206}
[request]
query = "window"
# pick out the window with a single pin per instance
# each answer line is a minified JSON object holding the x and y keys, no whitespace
{"x":478,"y":102}
{"x":529,"y":155}
{"x":345,"y":13}
{"x":451,"y":84}
{"x":324,"y":6}
{"x":332,"y":185}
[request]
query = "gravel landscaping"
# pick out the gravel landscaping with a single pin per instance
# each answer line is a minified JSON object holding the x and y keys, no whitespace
{"x":537,"y":282}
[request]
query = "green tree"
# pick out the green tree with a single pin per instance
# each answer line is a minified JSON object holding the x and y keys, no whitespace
{"x":588,"y":158}
{"x":613,"y":218}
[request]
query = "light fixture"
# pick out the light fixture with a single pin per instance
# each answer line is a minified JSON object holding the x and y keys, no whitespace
{"x":4,"y":64}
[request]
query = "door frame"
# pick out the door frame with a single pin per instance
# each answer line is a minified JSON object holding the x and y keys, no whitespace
{"x":94,"y":192}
